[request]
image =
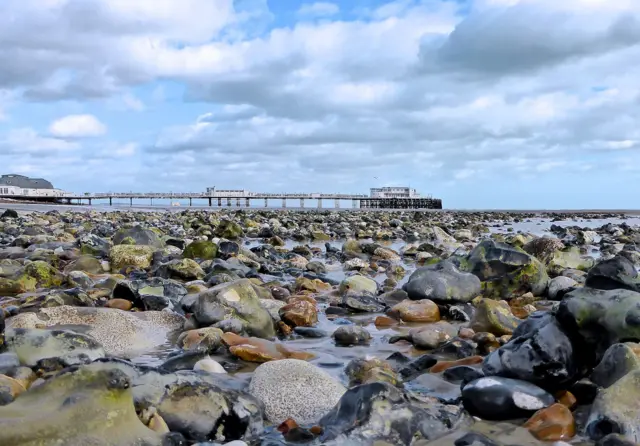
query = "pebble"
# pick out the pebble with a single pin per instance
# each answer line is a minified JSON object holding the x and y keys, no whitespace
{"x":351,"y":335}
{"x":209,"y":365}
{"x":553,"y":423}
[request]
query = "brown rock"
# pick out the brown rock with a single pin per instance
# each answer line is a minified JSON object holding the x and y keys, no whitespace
{"x":566,"y":398}
{"x":260,"y":350}
{"x":384,"y":321}
{"x":284,"y":329}
{"x":157,"y":424}
{"x":553,"y":423}
{"x":423,"y":310}
{"x":315,"y":285}
{"x":487,"y":342}
{"x":120,"y":304}
{"x":466,"y":333}
{"x":9,"y":389}
{"x":287,"y":425}
{"x":305,"y":297}
{"x":206,"y":339}
{"x":299,"y":313}
{"x":441,"y":366}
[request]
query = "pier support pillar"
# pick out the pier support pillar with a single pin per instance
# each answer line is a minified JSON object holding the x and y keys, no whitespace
{"x":247,"y":203}
{"x":229,"y":202}
{"x":266,"y":202}
{"x":190,"y":202}
{"x":337,"y":203}
{"x":284,"y":203}
{"x":151,"y":201}
{"x":319,"y":203}
{"x":130,"y":202}
{"x":89,"y":201}
{"x":209,"y":201}
{"x":302,"y":203}
{"x":110,"y":201}
{"x":237,"y":202}
{"x":219,"y":202}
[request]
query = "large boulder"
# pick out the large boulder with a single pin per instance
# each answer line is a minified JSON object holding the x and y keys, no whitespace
{"x":83,"y":407}
{"x":443,"y":283}
{"x":358,"y":284}
{"x":543,"y":248}
{"x":229,"y":229}
{"x":615,"y":273}
{"x":291,"y":388}
{"x":618,"y":360}
{"x":121,"y":333}
{"x":601,"y":318}
{"x":504,"y":271}
{"x":137,"y":236}
{"x":182,"y":269}
{"x":234,"y":300}
{"x":46,"y":275}
{"x":381,"y":411}
{"x":493,"y":316}
{"x":33,"y":345}
{"x":539,"y":352}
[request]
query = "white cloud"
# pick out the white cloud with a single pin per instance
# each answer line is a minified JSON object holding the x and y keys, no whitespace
{"x":318,"y":9}
{"x":77,"y":126}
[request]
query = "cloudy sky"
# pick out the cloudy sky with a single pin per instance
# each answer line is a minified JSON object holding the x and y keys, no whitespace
{"x":484,"y":103}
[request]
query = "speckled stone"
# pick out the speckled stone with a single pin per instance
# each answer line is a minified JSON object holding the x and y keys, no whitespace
{"x":121,"y":333}
{"x":291,"y":388}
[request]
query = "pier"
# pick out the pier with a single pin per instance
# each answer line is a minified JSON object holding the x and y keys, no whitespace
{"x":243,"y":199}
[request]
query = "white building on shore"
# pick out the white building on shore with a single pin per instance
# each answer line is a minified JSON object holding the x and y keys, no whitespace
{"x":394,"y":192}
{"x":21,"y":186}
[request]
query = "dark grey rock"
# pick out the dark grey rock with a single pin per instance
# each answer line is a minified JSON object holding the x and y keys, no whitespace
{"x":442,"y":282}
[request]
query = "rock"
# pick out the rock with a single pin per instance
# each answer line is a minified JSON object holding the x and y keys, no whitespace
{"x":351,"y":335}
{"x":291,"y":388}
{"x":234,"y":300}
{"x":310,"y":332}
{"x":137,"y":236}
{"x":122,"y":334}
{"x":299,"y":313}
{"x":616,"y":410}
{"x":416,"y":311}
{"x":10,"y":389}
{"x":260,"y":350}
{"x":616,"y":273}
{"x":80,"y":407}
{"x":358,"y":283}
{"x":201,"y":249}
{"x":570,"y":258}
{"x":184,"y":269}
{"x":504,"y":271}
{"x":618,"y":360}
{"x":46,"y":275}
{"x":11,"y":287}
{"x":496,"y":398}
{"x":8,"y":361}
{"x":462,"y":374}
{"x":86,"y":263}
{"x":380,"y":411}
{"x":202,"y":339}
{"x":313,"y":285}
{"x":554,"y":423}
{"x":543,"y":248}
{"x":34,"y":345}
{"x":229,"y":229}
{"x":355,"y":264}
{"x":428,"y":337}
{"x":93,"y":245}
{"x":9,"y":214}
{"x":601,"y":318}
{"x":122,"y":256}
{"x":539,"y":352}
{"x":363,"y":301}
{"x":494,"y":317}
{"x":119,"y":304}
{"x":209,"y":365}
{"x":443,"y":283}
{"x":558,"y":286}
{"x":368,"y":370}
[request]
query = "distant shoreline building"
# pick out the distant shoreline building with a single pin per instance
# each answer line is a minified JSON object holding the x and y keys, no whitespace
{"x":394,"y":192}
{"x":22,"y":186}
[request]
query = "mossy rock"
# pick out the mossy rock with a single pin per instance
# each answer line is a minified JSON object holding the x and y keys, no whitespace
{"x":23,"y":284}
{"x":229,"y":229}
{"x":493,"y":316}
{"x":46,"y":275}
{"x":505,"y":271}
{"x":357,"y":284}
{"x":138,"y":256}
{"x":185,"y":269}
{"x":79,"y":407}
{"x":570,"y":258}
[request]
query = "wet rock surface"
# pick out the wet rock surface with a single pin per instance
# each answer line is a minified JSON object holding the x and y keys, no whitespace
{"x":262,"y":327}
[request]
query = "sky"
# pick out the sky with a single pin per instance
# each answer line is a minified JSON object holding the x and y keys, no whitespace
{"x":482,"y":103}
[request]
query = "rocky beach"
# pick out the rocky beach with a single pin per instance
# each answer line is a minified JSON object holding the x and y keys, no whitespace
{"x":275,"y":327}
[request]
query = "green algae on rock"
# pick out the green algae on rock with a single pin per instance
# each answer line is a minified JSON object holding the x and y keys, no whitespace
{"x":494,"y":317}
{"x":201,"y":249}
{"x":138,"y":256}
{"x":78,"y":408}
